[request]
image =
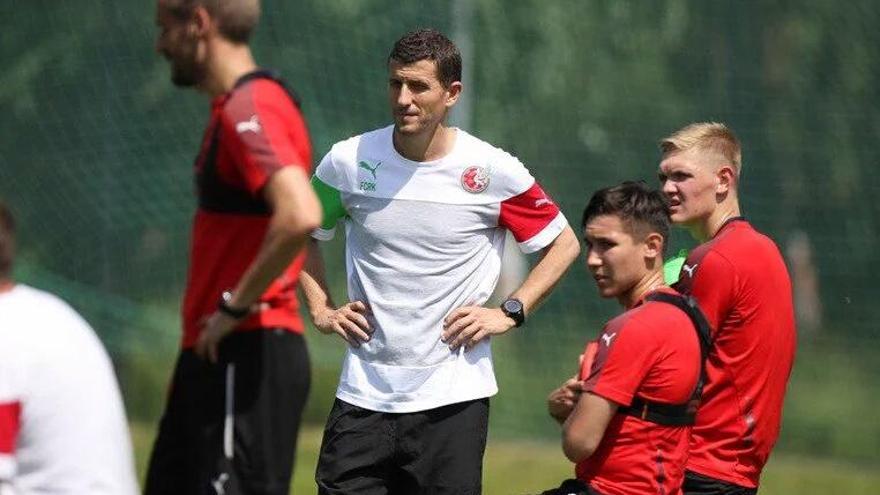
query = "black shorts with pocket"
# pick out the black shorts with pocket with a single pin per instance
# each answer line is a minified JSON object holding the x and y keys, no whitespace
{"x":433,"y":452}
{"x":231,"y":427}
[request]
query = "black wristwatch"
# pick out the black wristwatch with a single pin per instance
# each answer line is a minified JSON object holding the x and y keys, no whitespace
{"x":224,"y":307}
{"x":513,"y":308}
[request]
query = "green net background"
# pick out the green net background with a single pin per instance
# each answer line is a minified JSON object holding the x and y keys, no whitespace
{"x":96,"y":148}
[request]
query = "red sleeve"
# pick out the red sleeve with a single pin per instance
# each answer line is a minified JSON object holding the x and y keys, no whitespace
{"x":528,"y":214}
{"x":266,"y":131}
{"x":713,"y":286}
{"x":625,"y":355}
{"x":588,"y":358}
{"x":10,"y":423}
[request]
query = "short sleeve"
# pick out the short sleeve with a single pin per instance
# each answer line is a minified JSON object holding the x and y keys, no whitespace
{"x":265,"y":131}
{"x":533,"y":219}
{"x":588,"y":361}
{"x":11,"y":388}
{"x":624,"y":357}
{"x":332,"y":207}
{"x":10,"y":425}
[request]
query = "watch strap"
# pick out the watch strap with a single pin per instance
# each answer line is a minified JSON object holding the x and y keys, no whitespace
{"x":518,"y":316}
{"x":224,"y":307}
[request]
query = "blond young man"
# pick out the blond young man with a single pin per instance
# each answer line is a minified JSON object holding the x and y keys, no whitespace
{"x":738,"y":277}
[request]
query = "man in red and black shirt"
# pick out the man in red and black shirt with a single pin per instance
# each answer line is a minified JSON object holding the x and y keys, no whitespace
{"x":240,"y":384}
{"x":740,"y":281}
{"x":625,"y":415}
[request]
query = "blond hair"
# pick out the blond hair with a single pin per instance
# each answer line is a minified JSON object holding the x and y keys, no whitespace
{"x":711,"y":137}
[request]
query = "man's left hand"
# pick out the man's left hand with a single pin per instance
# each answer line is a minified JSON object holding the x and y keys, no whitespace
{"x":470,"y":324}
{"x":561,"y":401}
{"x":216,"y":328}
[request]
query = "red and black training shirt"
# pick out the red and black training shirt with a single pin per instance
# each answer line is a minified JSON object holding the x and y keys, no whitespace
{"x":651,"y":351}
{"x":740,"y":282}
{"x":254,"y":130}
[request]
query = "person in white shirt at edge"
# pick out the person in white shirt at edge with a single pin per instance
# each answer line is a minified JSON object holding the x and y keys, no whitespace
{"x":425,"y":208}
{"x":62,"y":424}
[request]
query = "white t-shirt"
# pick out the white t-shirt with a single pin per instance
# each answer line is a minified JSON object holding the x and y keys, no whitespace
{"x":62,"y":423}
{"x":422,"y":239}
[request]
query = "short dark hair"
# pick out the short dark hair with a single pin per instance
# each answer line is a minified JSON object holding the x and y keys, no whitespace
{"x":236,"y":19}
{"x":429,"y":44}
{"x":7,"y":242}
{"x":642,"y":210}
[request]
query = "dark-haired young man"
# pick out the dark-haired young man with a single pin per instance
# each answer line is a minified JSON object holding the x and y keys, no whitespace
{"x":242,"y":378}
{"x":625,"y":415}
{"x":62,"y":421}
{"x":740,"y":281}
{"x":425,"y":208}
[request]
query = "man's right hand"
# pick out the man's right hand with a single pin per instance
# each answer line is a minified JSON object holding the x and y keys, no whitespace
{"x":348,"y":321}
{"x":561,"y":401}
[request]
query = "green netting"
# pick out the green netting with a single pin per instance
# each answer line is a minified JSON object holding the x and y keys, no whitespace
{"x":96,"y":148}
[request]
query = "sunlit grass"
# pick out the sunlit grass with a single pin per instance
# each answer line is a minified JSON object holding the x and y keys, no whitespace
{"x":514,"y":467}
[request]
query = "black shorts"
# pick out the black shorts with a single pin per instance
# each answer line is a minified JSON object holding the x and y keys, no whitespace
{"x":243,"y":442}
{"x":697,"y":484}
{"x":572,"y":487}
{"x":436,"y":452}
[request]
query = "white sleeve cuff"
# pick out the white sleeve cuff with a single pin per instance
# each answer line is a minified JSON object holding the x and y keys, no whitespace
{"x":323,"y":234}
{"x":7,"y":468}
{"x":547,"y":235}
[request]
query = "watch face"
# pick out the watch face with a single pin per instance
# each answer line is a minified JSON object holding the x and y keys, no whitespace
{"x":512,"y":306}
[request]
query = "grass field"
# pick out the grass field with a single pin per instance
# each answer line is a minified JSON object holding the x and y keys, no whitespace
{"x":521,"y":467}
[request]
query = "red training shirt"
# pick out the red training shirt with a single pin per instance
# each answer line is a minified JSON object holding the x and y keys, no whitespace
{"x":254,"y":130}
{"x":651,"y":351}
{"x":740,"y":281}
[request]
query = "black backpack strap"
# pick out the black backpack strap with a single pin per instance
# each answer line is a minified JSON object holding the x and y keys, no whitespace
{"x":214,"y":194}
{"x":268,"y":74}
{"x":677,"y":414}
{"x":661,"y":414}
{"x":689,"y":305}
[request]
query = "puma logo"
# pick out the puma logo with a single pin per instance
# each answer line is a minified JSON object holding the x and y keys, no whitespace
{"x":607,"y":338}
{"x":689,"y":269}
{"x":219,"y":483}
{"x":542,"y":201}
{"x":252,"y":125}
{"x":372,"y":169}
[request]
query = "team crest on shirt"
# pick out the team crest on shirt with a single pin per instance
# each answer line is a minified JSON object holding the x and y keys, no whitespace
{"x":475,"y":179}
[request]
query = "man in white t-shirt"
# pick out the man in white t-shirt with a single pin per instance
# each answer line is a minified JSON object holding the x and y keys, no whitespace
{"x":425,"y":208}
{"x":62,"y":423}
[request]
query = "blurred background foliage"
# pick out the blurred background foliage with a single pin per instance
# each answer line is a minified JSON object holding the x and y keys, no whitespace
{"x":96,"y":148}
